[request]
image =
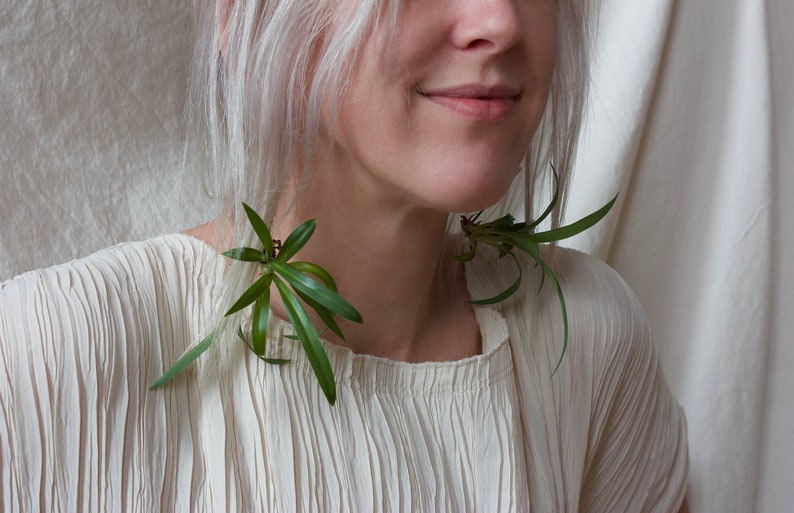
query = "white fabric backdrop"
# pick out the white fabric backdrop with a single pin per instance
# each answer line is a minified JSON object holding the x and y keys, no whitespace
{"x":692,"y":120}
{"x":91,"y":96}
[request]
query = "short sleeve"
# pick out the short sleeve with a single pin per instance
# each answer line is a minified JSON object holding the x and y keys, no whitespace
{"x":637,"y":456}
{"x":602,"y":430}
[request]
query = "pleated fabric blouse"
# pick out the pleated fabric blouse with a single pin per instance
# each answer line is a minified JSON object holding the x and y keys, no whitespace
{"x":80,"y":343}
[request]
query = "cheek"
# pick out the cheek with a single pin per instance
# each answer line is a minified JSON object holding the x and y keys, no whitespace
{"x":546,"y":55}
{"x":541,"y":40}
{"x":374,"y":110}
{"x":383,"y":131}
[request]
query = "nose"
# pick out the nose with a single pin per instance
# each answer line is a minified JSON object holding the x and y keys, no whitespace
{"x":490,"y":25}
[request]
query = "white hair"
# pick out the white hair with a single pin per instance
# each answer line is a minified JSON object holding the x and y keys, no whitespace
{"x":264,"y":69}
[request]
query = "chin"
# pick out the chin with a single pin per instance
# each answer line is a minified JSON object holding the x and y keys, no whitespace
{"x":470,"y":200}
{"x":476,"y":204}
{"x":473,"y":195}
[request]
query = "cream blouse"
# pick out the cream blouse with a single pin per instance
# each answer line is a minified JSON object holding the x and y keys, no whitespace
{"x":80,"y":343}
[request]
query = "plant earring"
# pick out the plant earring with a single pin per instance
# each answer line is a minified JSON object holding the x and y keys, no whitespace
{"x":296,"y":285}
{"x":302,"y":284}
{"x":505,"y":234}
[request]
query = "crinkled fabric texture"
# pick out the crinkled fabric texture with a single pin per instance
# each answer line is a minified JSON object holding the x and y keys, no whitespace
{"x":691,"y":119}
{"x":81,"y":342}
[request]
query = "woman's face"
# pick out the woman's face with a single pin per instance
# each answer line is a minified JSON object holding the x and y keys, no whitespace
{"x":441,"y":114}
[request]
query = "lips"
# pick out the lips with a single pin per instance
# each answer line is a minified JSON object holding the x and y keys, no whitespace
{"x":483,"y":103}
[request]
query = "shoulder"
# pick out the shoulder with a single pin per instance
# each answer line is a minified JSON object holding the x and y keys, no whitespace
{"x":592,"y":282}
{"x":596,"y":295}
{"x":625,"y":435}
{"x":585,"y":275}
{"x":118,"y":312}
{"x":80,"y":344}
{"x":637,"y":448}
{"x":163,"y":255}
{"x":608,"y":330}
{"x":608,"y":339}
{"x":110,"y":292}
{"x":602,"y":310}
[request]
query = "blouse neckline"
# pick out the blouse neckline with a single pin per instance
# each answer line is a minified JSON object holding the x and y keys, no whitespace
{"x":379,"y":373}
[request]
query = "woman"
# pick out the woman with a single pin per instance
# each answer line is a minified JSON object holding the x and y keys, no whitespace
{"x":379,"y":119}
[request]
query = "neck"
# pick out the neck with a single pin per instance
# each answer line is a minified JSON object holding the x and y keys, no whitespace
{"x":389,"y":260}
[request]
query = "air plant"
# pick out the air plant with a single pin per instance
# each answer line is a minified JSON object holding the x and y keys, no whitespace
{"x":305,"y":284}
{"x":505,"y":234}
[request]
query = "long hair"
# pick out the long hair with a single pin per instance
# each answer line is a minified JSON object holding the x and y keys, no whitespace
{"x":263,"y":70}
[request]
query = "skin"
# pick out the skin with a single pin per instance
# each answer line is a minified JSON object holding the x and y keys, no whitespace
{"x":416,"y":140}
{"x":411,"y":145}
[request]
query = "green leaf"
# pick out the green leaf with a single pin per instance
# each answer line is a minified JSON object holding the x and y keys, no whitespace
{"x":184,"y":361}
{"x":574,"y":228}
{"x":551,"y":204}
{"x":307,"y":334}
{"x":259,"y":322}
{"x":310,"y":281}
{"x":297,"y":239}
{"x":315,"y":270}
{"x":542,"y":278}
{"x":261,"y":230}
{"x":527,"y":244}
{"x":509,"y":291}
{"x":469,"y":255}
{"x":548,"y":272}
{"x":254,"y":291}
{"x":494,"y":236}
{"x":504,"y":234}
{"x":506,"y":223}
{"x":275,"y":361}
{"x":325,"y":315}
{"x":317,"y":291}
{"x":245,"y":254}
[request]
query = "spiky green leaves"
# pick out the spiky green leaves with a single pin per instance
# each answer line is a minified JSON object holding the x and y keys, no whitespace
{"x":299,"y":285}
{"x":505,"y":234}
{"x":185,"y":360}
{"x":302,"y":285}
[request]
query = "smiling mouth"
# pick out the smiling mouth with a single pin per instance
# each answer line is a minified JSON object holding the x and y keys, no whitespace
{"x":476,"y":102}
